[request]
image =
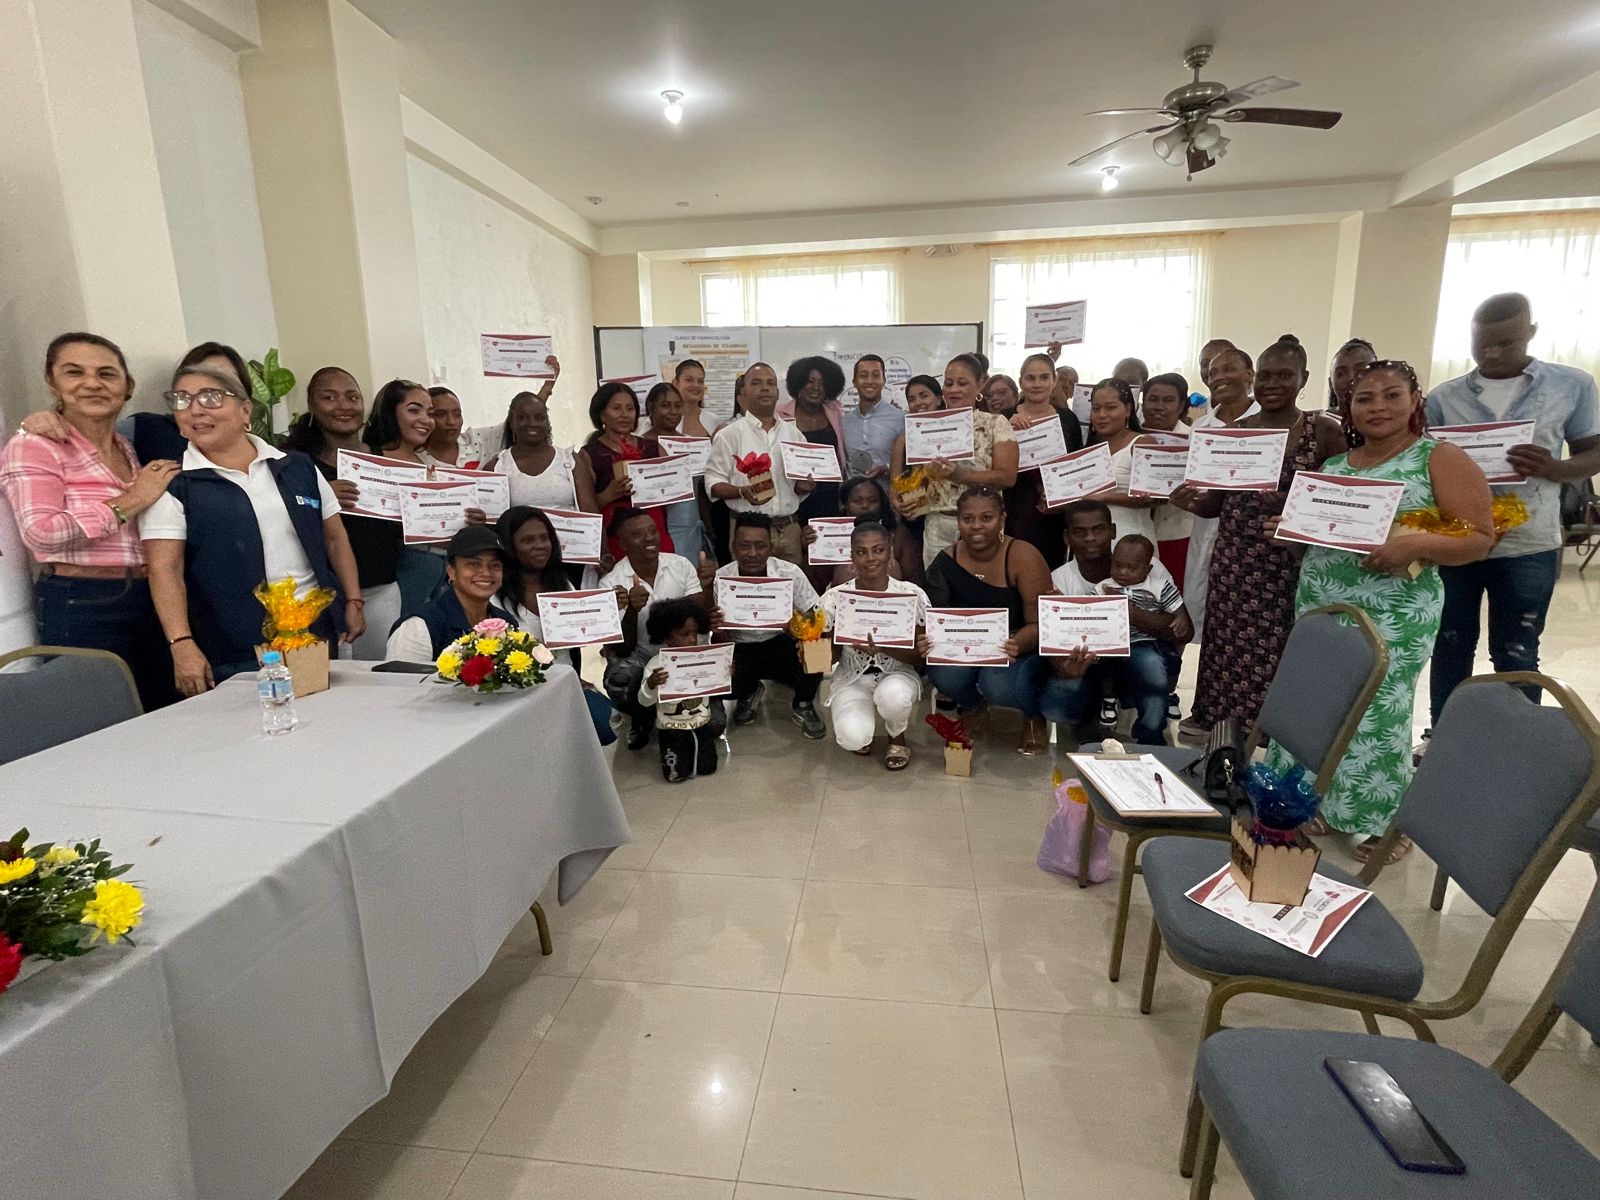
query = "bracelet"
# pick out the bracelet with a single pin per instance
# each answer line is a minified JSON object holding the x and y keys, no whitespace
{"x":188,"y":637}
{"x":357,"y":600}
{"x":116,"y":511}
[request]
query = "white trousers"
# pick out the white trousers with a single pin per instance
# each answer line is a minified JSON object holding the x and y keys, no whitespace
{"x":856,"y":707}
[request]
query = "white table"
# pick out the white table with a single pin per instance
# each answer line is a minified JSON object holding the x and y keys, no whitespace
{"x":314,"y":902}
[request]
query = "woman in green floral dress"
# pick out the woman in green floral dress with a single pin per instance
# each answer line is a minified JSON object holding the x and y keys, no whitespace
{"x":1384,"y":424}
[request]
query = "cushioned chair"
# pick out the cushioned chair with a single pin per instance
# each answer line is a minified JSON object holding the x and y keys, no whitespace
{"x":1256,"y":1084}
{"x":69,"y":693}
{"x":1587,"y":841}
{"x":1505,"y":786}
{"x":1329,"y":671}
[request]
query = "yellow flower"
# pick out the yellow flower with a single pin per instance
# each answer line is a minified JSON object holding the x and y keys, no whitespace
{"x":519,"y":662}
{"x":488,"y":646}
{"x":19,"y":868}
{"x":60,"y":856}
{"x":519,"y":637}
{"x":449,"y":664}
{"x":115,"y":909}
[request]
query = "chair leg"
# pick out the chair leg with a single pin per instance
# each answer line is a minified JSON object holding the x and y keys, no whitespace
{"x":1119,"y":935}
{"x":1370,"y":1021}
{"x":1152,"y":960}
{"x":1205,"y":1170}
{"x":545,"y":946}
{"x":1086,"y":845}
{"x":1440,"y":882}
{"x":1197,"y":1108}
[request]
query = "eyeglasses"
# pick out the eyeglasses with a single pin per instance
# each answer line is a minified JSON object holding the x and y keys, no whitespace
{"x":209,"y":398}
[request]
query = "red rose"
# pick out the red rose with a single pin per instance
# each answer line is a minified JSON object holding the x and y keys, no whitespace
{"x":476,"y":669}
{"x":10,"y":962}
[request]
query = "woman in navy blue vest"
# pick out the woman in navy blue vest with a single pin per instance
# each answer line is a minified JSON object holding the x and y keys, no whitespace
{"x":240,"y":512}
{"x":475,"y":566}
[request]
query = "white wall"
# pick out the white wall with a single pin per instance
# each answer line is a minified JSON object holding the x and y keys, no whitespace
{"x":485,"y":269}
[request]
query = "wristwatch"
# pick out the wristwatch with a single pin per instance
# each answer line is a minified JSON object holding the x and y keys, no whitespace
{"x":116,"y":509}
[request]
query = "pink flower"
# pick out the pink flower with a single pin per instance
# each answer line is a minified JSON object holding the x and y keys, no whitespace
{"x":493,"y":627}
{"x":541,"y":654}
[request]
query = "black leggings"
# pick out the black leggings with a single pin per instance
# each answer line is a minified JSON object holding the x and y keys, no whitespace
{"x":686,"y":753}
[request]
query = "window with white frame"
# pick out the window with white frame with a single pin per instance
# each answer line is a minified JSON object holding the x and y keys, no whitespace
{"x":1147,"y":299}
{"x":820,"y":290}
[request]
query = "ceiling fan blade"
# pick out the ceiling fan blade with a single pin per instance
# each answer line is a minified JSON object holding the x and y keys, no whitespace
{"x":1306,"y":118}
{"x":1083,"y":158}
{"x":1129,"y":112}
{"x":1250,"y":91}
{"x":1199,"y":160}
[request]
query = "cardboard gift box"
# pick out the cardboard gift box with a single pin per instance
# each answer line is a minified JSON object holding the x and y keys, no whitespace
{"x":816,"y":656}
{"x":308,"y":667}
{"x":761,"y":484}
{"x":957,"y":759}
{"x":1272,"y":874}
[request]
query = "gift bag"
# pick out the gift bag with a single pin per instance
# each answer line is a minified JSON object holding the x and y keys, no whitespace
{"x":1063,"y":836}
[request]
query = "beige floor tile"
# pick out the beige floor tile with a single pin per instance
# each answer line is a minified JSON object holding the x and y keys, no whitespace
{"x":493,"y":1177}
{"x":762,"y":1191}
{"x":366,"y":1171}
{"x":887,"y":1099}
{"x":1569,"y":889}
{"x":452,"y":1084}
{"x":864,"y":841}
{"x":643,"y":1076}
{"x":765,"y":831}
{"x":651,"y":806}
{"x":889,"y":942}
{"x":707,"y":930}
{"x":575,"y":929}
{"x":911,"y":792}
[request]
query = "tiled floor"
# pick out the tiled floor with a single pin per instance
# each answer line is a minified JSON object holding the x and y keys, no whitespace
{"x":806,"y":978}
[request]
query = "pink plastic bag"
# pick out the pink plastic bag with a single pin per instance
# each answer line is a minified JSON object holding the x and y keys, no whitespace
{"x":1063,"y":836}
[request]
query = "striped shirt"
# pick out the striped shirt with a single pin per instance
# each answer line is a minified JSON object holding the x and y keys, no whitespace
{"x":61,"y":494}
{"x":1156,"y":593}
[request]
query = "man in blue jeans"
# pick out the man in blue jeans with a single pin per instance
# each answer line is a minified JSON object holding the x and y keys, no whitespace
{"x":1519,"y":576}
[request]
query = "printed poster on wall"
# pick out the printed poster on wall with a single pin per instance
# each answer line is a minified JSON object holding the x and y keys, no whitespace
{"x":724,"y":353}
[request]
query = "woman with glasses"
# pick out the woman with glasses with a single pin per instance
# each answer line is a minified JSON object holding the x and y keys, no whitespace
{"x":240,"y":513}
{"x":74,"y":500}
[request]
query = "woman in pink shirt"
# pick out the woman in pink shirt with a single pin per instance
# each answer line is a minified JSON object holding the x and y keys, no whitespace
{"x":75,"y":501}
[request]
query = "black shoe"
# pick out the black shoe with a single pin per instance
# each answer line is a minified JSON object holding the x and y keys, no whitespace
{"x":1174,"y":709}
{"x":943,"y":703}
{"x":744,"y":711}
{"x":639,"y":735}
{"x":810,"y":721}
{"x":1108,"y":711}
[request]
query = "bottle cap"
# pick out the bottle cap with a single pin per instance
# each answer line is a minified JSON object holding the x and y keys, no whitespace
{"x":268,"y":657}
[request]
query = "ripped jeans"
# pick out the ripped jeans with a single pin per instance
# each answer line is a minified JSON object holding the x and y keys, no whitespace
{"x":1519,"y":588}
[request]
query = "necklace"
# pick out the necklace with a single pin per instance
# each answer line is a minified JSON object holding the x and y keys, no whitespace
{"x":1377,"y":462}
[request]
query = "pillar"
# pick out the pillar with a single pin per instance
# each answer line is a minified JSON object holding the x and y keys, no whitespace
{"x":1388,"y":272}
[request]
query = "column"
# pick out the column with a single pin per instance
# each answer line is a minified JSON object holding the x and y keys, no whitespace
{"x":1386,"y":282}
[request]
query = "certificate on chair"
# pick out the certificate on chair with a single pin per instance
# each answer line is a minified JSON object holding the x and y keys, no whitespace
{"x":1141,"y":786}
{"x":817,"y":461}
{"x":1061,"y":322}
{"x":968,"y":637}
{"x":1039,"y":443}
{"x":1076,"y":475}
{"x":658,"y":481}
{"x":832,"y":546}
{"x":377,"y":482}
{"x":1339,"y":511}
{"x":1157,"y":471}
{"x":750,"y":602}
{"x":697,"y":671}
{"x":1487,"y":444}
{"x":935,"y":435}
{"x":1097,"y":624}
{"x":887,"y":618}
{"x":494,"y":489}
{"x":589,"y":618}
{"x":581,"y":534}
{"x":432,"y":512}
{"x":695,"y":449}
{"x":1307,"y":927}
{"x":1236,"y":460}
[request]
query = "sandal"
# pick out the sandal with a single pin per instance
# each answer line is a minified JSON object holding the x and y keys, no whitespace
{"x":897,"y":757}
{"x":1317,"y":827}
{"x":1363,"y":852}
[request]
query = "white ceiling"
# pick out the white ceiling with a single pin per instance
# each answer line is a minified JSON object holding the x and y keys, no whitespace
{"x":870,"y":104}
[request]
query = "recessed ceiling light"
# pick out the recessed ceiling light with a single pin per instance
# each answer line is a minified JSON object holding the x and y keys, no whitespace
{"x":1108,"y":178}
{"x":683,"y":204}
{"x":674,"y":109}
{"x":594,"y":199}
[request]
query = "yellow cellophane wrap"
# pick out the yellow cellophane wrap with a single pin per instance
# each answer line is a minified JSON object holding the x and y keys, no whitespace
{"x":290,"y":617}
{"x":1508,"y":511}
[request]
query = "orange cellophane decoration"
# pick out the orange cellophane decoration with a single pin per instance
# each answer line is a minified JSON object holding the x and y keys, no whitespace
{"x":807,"y":627}
{"x":1508,"y":511}
{"x":290,"y":617}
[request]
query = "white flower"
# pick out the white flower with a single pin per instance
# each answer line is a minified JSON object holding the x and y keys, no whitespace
{"x":541,"y":654}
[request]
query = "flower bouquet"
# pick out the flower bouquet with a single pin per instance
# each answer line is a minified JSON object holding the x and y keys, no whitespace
{"x":915,"y":489}
{"x":757,"y":469}
{"x":494,"y":656}
{"x":957,"y":743}
{"x":288,"y":630}
{"x":1507,"y":510}
{"x":1273,"y":860}
{"x":816,"y":650}
{"x":59,"y":901}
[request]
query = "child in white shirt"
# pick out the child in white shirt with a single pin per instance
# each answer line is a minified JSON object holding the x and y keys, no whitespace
{"x":1158,"y":626}
{"x":686,"y":730}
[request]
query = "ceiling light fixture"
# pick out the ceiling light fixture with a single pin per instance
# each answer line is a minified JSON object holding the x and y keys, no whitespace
{"x":1108,"y":178}
{"x":1167,"y":145}
{"x":674,"y":110}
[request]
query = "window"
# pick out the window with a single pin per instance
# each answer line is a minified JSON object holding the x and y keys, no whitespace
{"x":812,"y":290}
{"x":1147,"y":299}
{"x":1553,"y":258}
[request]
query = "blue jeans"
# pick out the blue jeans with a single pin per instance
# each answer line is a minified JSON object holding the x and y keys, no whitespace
{"x":683,"y":526}
{"x":1140,"y":681}
{"x":109,"y":614}
{"x":1015,"y":686}
{"x":1519,"y":589}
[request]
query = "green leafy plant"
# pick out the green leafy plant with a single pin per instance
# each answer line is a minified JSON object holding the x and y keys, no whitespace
{"x":48,"y":888}
{"x":270,"y":382}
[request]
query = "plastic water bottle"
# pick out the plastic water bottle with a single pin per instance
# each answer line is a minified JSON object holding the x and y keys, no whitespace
{"x":275,"y":687}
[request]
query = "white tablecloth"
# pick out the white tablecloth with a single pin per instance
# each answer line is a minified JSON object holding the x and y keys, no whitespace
{"x":314,"y":902}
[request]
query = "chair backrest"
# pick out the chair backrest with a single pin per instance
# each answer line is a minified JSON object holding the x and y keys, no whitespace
{"x":1502,"y":773}
{"x":69,"y":693}
{"x":1579,"y":996}
{"x":1329,"y":671}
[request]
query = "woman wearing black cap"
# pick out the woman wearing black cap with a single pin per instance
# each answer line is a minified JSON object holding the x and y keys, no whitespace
{"x":474,"y":570}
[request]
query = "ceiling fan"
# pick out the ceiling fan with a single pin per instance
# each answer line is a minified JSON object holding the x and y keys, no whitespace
{"x":1190,"y":134}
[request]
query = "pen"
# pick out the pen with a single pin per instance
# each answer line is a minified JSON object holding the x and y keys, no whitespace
{"x":1161,"y":788}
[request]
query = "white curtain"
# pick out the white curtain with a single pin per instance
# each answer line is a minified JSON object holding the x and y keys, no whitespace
{"x":1553,"y":258}
{"x":1148,"y":297}
{"x":813,"y":289}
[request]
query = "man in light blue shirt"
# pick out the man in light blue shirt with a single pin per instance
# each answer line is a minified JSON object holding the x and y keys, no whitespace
{"x":871,"y":429}
{"x":1519,"y":576}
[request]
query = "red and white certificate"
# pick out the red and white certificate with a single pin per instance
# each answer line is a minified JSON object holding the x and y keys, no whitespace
{"x":816,"y":461}
{"x":1076,"y":475}
{"x":1157,"y":471}
{"x":968,"y":637}
{"x":1236,"y":460}
{"x":377,"y":481}
{"x":1340,"y":511}
{"x":832,"y":546}
{"x":697,"y":671}
{"x":433,"y":511}
{"x":581,"y":534}
{"x":1487,"y":444}
{"x":1307,"y":927}
{"x":695,"y":449}
{"x":1060,"y":322}
{"x":658,"y":481}
{"x":884,"y":618}
{"x":1096,"y":624}
{"x":589,"y":618}
{"x":939,"y":435}
{"x":494,"y":489}
{"x":750,"y":602}
{"x":1039,"y":443}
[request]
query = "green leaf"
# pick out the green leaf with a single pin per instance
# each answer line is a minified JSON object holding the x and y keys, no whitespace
{"x":280,"y":382}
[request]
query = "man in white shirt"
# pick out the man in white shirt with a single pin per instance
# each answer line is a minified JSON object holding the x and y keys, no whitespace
{"x":758,"y":432}
{"x":643,"y":577}
{"x":762,"y":654}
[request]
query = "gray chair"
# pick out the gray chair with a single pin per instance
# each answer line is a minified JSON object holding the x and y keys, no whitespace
{"x":1295,"y":1136}
{"x":1587,"y":841}
{"x":1331,"y":667}
{"x":1502,"y":791}
{"x":69,"y":693}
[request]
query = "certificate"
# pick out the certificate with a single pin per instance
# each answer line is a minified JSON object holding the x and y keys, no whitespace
{"x":887,"y":618}
{"x":1158,"y":471}
{"x":516,"y":355}
{"x":832,"y":546}
{"x":377,"y":482}
{"x":697,"y":671}
{"x":494,"y":489}
{"x":1307,"y":927}
{"x":1098,"y":624}
{"x":1039,"y":443}
{"x":1129,"y":784}
{"x":1076,"y":475}
{"x":569,"y":619}
{"x":1341,"y":511}
{"x":1062,"y":322}
{"x":640,"y":384}
{"x":1081,"y":395}
{"x":1487,"y":444}
{"x":755,"y":602}
{"x":1236,"y":460}
{"x":934,"y":435}
{"x":968,"y":637}
{"x":580,"y":534}
{"x":658,"y":481}
{"x":695,"y":449}
{"x":432,"y":512}
{"x":816,"y":461}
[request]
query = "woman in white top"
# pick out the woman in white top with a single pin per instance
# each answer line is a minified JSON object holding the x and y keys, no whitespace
{"x":474,"y":447}
{"x":874,"y":681}
{"x":1165,"y":398}
{"x":539,"y":472}
{"x":399,"y":426}
{"x":533,"y":565}
{"x":1114,"y":420}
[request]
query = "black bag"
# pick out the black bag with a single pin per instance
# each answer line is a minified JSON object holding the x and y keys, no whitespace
{"x":1221,"y":769}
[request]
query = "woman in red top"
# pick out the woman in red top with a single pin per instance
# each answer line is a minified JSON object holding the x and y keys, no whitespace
{"x":602,"y":484}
